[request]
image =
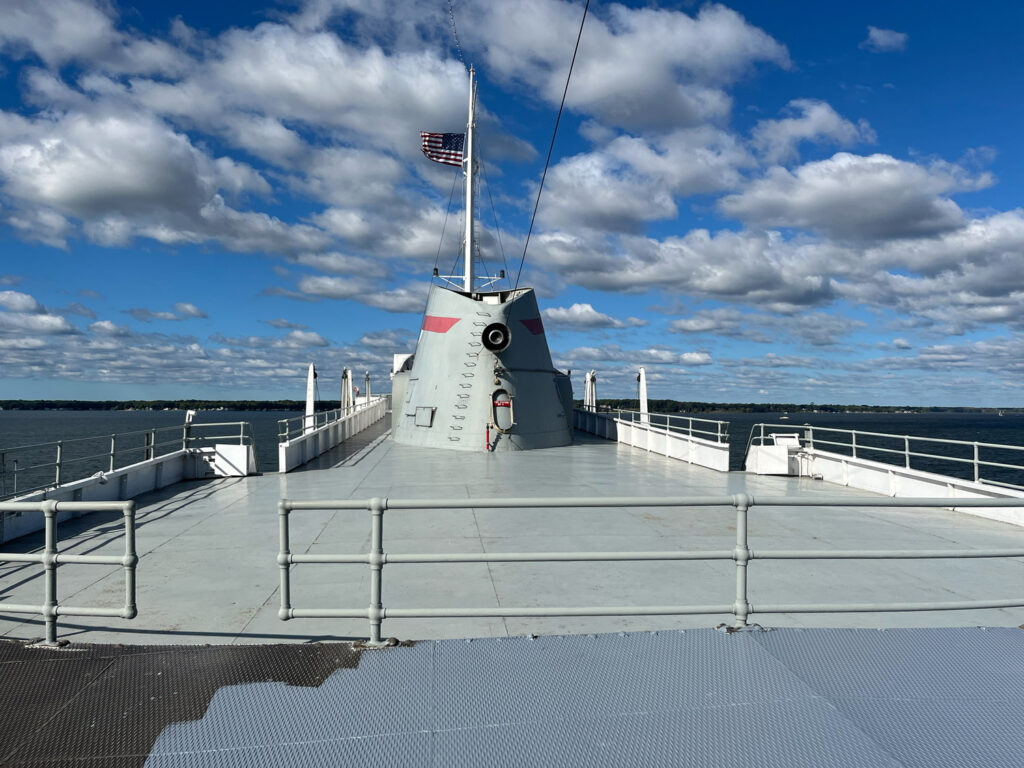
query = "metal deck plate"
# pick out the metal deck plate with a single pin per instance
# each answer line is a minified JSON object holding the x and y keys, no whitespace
{"x":789,"y":697}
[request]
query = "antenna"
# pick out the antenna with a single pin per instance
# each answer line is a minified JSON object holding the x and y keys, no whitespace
{"x":468,"y":271}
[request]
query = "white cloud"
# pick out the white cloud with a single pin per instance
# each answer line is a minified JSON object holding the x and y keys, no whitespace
{"x":34,"y":323}
{"x":651,"y":356}
{"x":633,"y":180}
{"x":185,"y":309}
{"x":852,"y":197}
{"x":285,"y":324}
{"x":638,"y":68}
{"x":884,"y":40}
{"x":60,"y":31}
{"x":15,"y":301}
{"x":127,"y":174}
{"x":814,"y":121}
{"x":584,"y":316}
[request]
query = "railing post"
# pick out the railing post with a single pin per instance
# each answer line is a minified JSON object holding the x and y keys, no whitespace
{"x":376,"y":611}
{"x":50,"y":573}
{"x":284,"y":561}
{"x":15,"y":477}
{"x":853,"y":442}
{"x":147,"y":442}
{"x":810,"y":437}
{"x":241,"y":433}
{"x":741,"y":608}
{"x":906,"y":449}
{"x":130,"y":561}
{"x":977,"y":469}
{"x":113,"y":450}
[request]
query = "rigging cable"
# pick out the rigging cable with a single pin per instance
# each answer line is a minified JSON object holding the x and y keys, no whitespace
{"x":451,"y":197}
{"x":497,"y":226}
{"x":455,"y":32}
{"x":552,"y":146}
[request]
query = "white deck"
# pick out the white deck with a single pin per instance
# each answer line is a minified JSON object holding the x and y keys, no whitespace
{"x":208,"y":571}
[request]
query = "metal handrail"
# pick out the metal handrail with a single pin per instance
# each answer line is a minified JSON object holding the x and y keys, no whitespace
{"x":51,"y":557}
{"x":184,"y":438}
{"x":299,"y":425}
{"x":741,"y":554}
{"x":809,"y":441}
{"x":713,"y":429}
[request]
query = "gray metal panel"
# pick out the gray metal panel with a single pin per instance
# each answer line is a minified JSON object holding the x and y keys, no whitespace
{"x":699,"y":697}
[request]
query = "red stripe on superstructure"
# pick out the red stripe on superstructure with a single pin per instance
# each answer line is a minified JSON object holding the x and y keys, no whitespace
{"x":438,"y":324}
{"x":534,"y":325}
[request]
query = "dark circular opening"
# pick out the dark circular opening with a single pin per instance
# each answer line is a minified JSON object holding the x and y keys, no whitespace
{"x":496,"y":337}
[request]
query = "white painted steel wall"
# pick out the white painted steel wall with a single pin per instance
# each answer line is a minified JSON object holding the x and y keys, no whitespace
{"x":878,"y":477}
{"x":297,"y":451}
{"x":675,"y":445}
{"x":128,"y":482}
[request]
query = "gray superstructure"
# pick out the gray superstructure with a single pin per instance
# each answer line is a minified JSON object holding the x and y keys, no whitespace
{"x":482,"y":377}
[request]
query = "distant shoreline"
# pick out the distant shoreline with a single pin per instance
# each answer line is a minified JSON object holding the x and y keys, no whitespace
{"x":656,"y":406}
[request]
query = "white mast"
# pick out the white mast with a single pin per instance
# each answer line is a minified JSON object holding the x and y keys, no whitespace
{"x":468,"y":271}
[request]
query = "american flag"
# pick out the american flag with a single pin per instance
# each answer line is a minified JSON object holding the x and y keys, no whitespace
{"x":443,"y":147}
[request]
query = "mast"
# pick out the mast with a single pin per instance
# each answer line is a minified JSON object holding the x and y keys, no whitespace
{"x":468,"y":271}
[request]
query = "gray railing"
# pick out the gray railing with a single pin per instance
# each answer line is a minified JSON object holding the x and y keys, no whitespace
{"x":28,"y":468}
{"x":51,"y":557}
{"x":708,"y":429}
{"x":900,"y":450}
{"x":741,"y":609}
{"x":299,"y":425}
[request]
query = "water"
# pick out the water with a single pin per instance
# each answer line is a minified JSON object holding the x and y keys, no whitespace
{"x":85,"y":457}
{"x":18,"y":428}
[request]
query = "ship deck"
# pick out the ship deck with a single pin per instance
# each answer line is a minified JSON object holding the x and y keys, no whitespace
{"x":208,"y":573}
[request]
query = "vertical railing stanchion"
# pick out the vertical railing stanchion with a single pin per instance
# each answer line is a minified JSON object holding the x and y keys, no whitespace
{"x":113,"y":451}
{"x":50,"y":574}
{"x":741,"y":608}
{"x":376,"y":558}
{"x":977,"y":469}
{"x":131,"y":560}
{"x":284,"y":561}
{"x":906,"y":450}
{"x":853,"y":443}
{"x":60,"y":455}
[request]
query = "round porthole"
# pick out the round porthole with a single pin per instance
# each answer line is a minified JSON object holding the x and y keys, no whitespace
{"x":496,"y":337}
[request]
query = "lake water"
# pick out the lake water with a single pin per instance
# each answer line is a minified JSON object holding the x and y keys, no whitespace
{"x":20,"y":428}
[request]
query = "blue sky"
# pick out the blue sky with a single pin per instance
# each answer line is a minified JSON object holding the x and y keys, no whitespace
{"x":773,"y":202}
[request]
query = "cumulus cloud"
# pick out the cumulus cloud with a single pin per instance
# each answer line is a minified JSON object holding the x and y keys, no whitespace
{"x":884,"y":40}
{"x":851,"y":197}
{"x":761,"y":268}
{"x":125,"y":174}
{"x":15,"y":301}
{"x":650,"y":356}
{"x":637,"y":68}
{"x":285,"y":324}
{"x":819,"y":329}
{"x":814,"y":121}
{"x":585,"y":317}
{"x":630,"y":180}
{"x":182,"y":311}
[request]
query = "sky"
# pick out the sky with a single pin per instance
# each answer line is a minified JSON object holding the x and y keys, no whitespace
{"x":756,"y":202}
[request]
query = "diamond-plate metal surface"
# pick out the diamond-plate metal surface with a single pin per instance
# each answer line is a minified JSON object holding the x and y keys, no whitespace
{"x":699,"y":697}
